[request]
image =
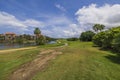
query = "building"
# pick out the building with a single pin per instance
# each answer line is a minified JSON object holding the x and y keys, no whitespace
{"x":12,"y":37}
{"x":9,"y":36}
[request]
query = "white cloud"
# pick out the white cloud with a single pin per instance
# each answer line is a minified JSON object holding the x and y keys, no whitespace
{"x":34,"y":23}
{"x":61,"y":26}
{"x":64,"y":31}
{"x":60,"y":7}
{"x":9,"y":21}
{"x":54,"y":26}
{"x":58,"y":20}
{"x":109,"y":15}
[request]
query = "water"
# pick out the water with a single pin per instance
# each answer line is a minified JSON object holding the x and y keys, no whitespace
{"x":9,"y":46}
{"x":52,"y":42}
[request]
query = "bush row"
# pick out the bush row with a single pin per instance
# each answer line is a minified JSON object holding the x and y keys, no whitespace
{"x":108,"y":39}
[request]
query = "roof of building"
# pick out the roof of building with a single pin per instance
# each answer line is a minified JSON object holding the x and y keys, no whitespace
{"x":10,"y":33}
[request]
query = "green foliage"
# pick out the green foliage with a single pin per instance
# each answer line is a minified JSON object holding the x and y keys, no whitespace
{"x":98,"y":27}
{"x":37,"y":31}
{"x":19,"y":39}
{"x":2,"y":38}
{"x":103,"y":39}
{"x":116,"y":43}
{"x":48,"y":39}
{"x":72,"y":39}
{"x":41,"y":40}
{"x":87,"y":36}
{"x":28,"y":37}
{"x":108,"y":39}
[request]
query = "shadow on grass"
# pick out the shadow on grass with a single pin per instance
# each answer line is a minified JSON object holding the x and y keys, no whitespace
{"x":114,"y":58}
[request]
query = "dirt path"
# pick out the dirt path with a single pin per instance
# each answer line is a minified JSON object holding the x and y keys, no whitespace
{"x":28,"y":70}
{"x":9,"y":50}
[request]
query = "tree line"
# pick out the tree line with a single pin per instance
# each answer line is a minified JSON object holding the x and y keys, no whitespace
{"x":107,"y":39}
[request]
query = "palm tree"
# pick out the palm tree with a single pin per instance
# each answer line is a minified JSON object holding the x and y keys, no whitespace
{"x":98,"y":27}
{"x":37,"y":32}
{"x":101,"y":27}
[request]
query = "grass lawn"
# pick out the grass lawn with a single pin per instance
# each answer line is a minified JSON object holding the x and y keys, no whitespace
{"x":81,"y":61}
{"x":11,"y":59}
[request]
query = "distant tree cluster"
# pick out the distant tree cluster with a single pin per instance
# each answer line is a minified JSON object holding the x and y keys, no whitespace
{"x":98,"y":27}
{"x":72,"y":39}
{"x":48,"y":39}
{"x":25,"y":38}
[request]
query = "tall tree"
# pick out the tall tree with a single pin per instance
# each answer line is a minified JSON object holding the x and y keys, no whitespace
{"x":101,"y":27}
{"x":40,"y":39}
{"x":98,"y":27}
{"x":37,"y":32}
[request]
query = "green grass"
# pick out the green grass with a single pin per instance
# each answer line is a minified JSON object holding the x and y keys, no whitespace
{"x":11,"y":60}
{"x":81,"y":61}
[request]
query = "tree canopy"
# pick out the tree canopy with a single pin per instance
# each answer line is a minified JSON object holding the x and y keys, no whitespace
{"x":98,"y":27}
{"x":37,"y":31}
{"x":87,"y":36}
{"x":108,"y":39}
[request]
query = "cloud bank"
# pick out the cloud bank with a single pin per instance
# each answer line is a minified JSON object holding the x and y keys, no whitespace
{"x":62,"y":26}
{"x":53,"y":26}
{"x":8,"y":21}
{"x":109,"y":15}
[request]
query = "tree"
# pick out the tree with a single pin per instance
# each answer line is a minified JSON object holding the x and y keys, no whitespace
{"x":41,"y":40}
{"x":101,"y":27}
{"x":116,"y":43}
{"x":109,"y":39}
{"x":19,"y":39}
{"x":37,"y":32}
{"x":72,"y":39}
{"x":87,"y":36}
{"x":98,"y":27}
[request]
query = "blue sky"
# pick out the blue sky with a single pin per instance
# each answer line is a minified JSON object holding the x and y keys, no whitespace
{"x":57,"y":18}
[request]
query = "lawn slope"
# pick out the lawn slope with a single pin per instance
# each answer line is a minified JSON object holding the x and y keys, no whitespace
{"x":81,"y":61}
{"x":11,"y":60}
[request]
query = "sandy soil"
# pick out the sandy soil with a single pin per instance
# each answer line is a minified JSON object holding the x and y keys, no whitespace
{"x":9,"y":50}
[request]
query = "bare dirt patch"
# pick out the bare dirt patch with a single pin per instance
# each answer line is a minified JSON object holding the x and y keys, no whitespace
{"x":17,"y":49}
{"x":28,"y":70}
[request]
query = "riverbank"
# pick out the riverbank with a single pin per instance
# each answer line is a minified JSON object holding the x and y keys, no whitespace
{"x":15,"y":49}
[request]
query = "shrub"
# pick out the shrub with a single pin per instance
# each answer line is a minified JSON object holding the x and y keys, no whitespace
{"x":19,"y":39}
{"x":116,"y":42}
{"x":108,"y":39}
{"x":98,"y":39}
{"x":87,"y":36}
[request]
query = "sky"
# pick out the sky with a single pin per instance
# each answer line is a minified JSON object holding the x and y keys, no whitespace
{"x":57,"y":18}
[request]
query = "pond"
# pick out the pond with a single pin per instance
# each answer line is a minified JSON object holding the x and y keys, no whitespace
{"x":51,"y":42}
{"x":10,"y":46}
